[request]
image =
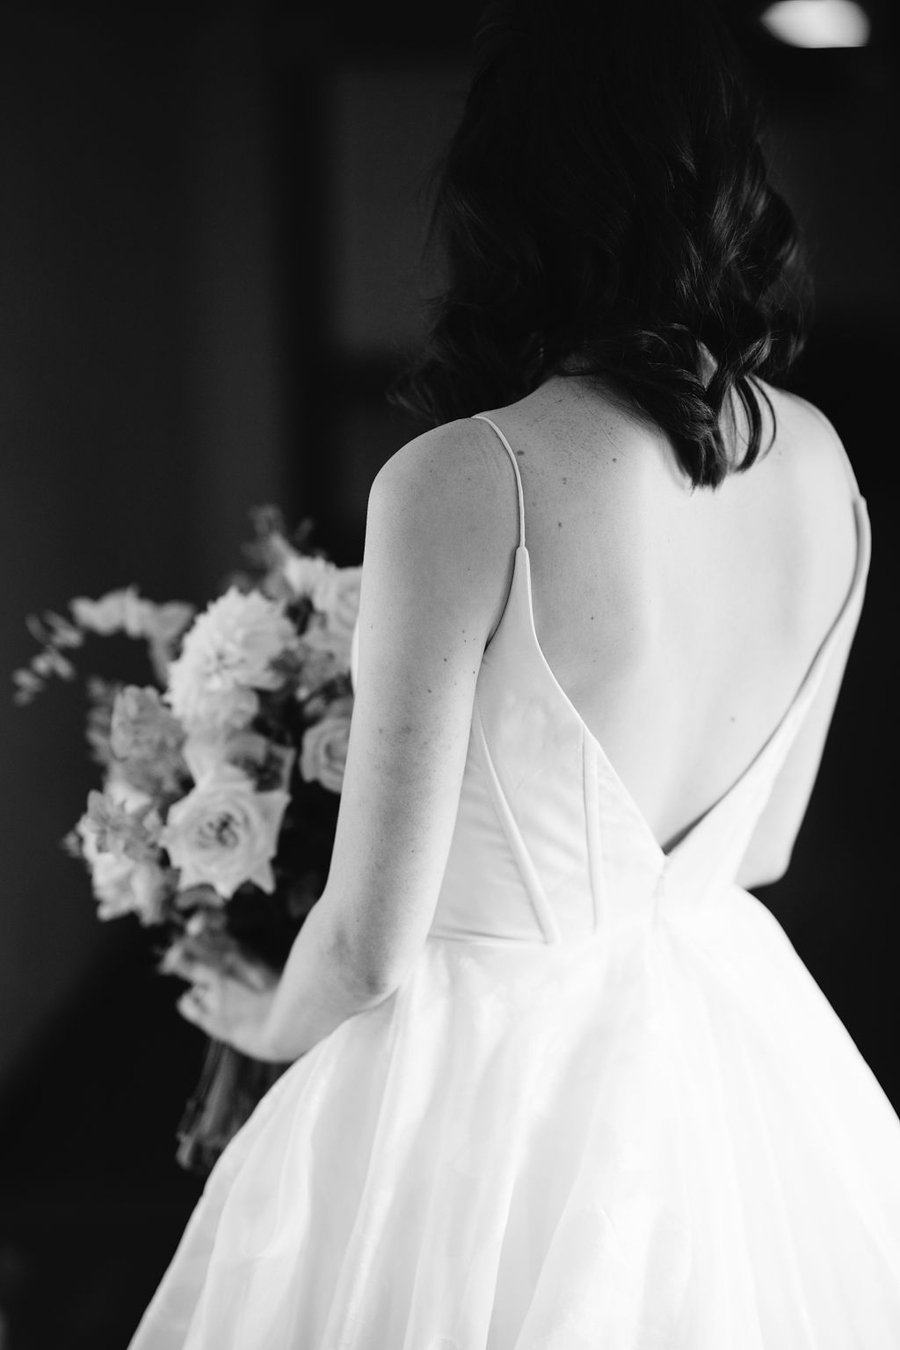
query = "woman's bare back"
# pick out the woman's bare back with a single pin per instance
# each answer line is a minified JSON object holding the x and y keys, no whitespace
{"x":679,"y":623}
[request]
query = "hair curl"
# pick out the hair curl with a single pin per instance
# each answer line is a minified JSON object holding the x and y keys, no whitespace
{"x":604,"y":210}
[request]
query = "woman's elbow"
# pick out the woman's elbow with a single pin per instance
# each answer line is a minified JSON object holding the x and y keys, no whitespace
{"x":370,"y":972}
{"x":373,"y":982}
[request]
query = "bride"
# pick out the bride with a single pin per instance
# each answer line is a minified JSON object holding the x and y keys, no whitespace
{"x":560,"y":1080}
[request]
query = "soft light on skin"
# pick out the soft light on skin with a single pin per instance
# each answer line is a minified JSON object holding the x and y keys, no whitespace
{"x":818,"y":23}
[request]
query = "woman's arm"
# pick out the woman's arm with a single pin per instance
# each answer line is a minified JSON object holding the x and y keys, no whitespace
{"x":441,"y":532}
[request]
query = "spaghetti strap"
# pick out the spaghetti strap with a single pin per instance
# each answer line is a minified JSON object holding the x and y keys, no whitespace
{"x":482,"y":418}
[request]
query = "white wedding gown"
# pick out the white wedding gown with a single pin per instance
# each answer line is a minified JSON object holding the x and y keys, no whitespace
{"x":609,"y":1110}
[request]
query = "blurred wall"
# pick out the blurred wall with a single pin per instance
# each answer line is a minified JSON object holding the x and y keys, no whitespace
{"x":140,"y":394}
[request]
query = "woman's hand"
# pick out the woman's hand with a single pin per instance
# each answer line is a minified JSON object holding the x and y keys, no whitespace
{"x":232,"y":1006}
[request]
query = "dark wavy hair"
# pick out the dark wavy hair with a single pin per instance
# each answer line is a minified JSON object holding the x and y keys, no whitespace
{"x":604,"y":209}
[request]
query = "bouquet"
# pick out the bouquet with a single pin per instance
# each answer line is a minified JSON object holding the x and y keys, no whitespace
{"x":220,"y":777}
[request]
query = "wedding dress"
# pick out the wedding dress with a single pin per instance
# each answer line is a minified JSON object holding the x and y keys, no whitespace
{"x":610,"y":1109}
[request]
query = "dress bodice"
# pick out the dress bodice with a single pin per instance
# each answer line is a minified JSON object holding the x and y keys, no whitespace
{"x":546,"y":828}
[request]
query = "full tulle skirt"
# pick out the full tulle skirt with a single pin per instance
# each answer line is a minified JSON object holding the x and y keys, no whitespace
{"x":664,"y":1139}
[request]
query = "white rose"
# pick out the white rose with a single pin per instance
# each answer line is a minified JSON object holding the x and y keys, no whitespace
{"x":227,"y":655}
{"x":224,"y":833}
{"x":323,"y":755}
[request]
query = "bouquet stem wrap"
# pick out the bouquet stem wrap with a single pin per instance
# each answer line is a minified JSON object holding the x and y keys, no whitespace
{"x":227,"y":1092}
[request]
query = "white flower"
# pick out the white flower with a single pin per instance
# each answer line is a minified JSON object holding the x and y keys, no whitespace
{"x":334,"y":594}
{"x":121,"y":885}
{"x":224,"y":832}
{"x":126,"y":611}
{"x":321,"y":645}
{"x":123,"y":793}
{"x":227,"y":655}
{"x":337,"y":597}
{"x":113,"y":612}
{"x":205,"y":755}
{"x":323,"y":755}
{"x":119,"y":890}
{"x":304,"y":575}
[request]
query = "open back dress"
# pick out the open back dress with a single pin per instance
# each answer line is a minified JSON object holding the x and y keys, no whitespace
{"x":610,"y":1109}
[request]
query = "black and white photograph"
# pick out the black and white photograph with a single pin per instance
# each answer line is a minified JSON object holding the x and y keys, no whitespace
{"x":450,"y":567}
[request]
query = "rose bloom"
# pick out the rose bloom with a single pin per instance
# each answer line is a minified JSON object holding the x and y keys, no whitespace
{"x":227,"y":656}
{"x":323,"y":755}
{"x":224,"y":833}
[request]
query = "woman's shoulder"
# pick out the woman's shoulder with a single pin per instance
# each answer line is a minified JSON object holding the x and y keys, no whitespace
{"x":455,"y":479}
{"x":808,"y":440}
{"x":444,"y":508}
{"x":443,"y":453}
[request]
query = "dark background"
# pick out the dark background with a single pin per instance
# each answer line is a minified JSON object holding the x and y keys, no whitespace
{"x":210,"y":228}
